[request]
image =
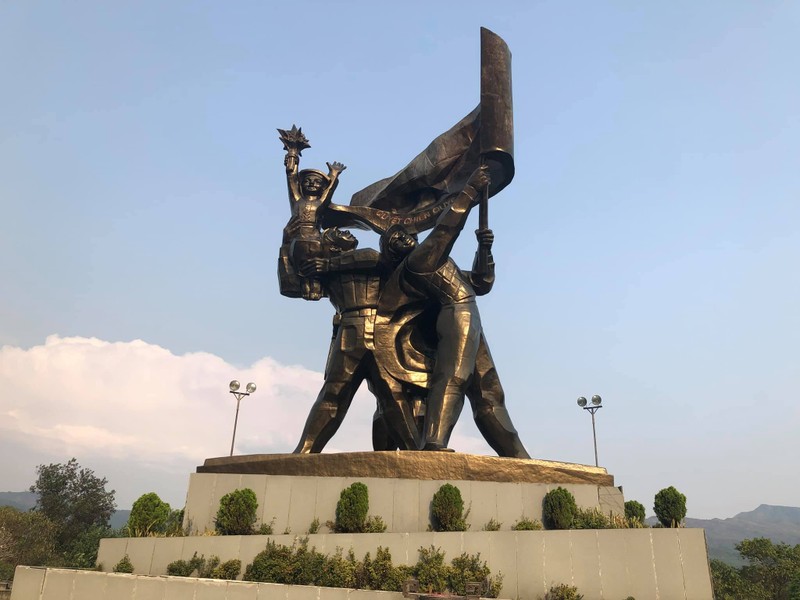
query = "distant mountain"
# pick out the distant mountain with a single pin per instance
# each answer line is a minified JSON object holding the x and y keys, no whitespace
{"x":27,"y":500}
{"x":778,"y":523}
{"x":119,"y":518}
{"x":19,"y":500}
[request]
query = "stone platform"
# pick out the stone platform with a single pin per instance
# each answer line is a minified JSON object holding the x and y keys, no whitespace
{"x":410,"y":465}
{"x":605,"y":564}
{"x":293,"y":490}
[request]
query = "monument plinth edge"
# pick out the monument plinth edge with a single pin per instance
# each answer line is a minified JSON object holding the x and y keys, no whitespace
{"x":410,"y":465}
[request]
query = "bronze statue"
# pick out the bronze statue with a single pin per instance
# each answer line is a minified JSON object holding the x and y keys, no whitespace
{"x":310,"y":192}
{"x":426,"y":272}
{"x":406,"y":318}
{"x":352,"y":279}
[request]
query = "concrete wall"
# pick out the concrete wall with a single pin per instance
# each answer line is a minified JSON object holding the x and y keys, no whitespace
{"x":403,"y":504}
{"x":32,"y":583}
{"x":607,"y":564}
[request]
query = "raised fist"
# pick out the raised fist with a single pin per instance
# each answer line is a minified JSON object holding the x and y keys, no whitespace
{"x":480,"y":178}
{"x":485,"y":238}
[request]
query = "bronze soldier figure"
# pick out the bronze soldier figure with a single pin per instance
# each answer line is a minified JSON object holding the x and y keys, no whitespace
{"x":352,"y":279}
{"x":462,"y":362}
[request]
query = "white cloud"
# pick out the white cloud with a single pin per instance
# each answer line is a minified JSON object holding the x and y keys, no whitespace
{"x":145,"y":418}
{"x":134,"y":404}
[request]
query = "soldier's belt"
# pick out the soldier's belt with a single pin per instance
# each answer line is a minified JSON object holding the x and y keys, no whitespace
{"x":360,"y":312}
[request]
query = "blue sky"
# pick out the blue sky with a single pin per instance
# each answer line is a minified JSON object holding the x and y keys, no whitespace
{"x":646,"y":249}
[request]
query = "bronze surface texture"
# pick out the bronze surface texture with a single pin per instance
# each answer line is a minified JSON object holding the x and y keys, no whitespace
{"x":452,"y":466}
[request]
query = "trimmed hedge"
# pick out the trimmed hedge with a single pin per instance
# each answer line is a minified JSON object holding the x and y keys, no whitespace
{"x":559,"y":509}
{"x":447,"y":510}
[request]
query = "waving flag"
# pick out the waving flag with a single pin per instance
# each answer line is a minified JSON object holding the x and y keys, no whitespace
{"x":416,"y":195}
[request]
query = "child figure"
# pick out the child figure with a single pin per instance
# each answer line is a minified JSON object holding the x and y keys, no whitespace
{"x":310,"y":192}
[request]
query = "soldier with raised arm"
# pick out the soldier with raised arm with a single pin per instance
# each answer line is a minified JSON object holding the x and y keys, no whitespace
{"x":462,"y":360}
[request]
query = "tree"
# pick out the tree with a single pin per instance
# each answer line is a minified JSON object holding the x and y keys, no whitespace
{"x":237,"y":513}
{"x":352,"y":508}
{"x":559,"y":509}
{"x":794,"y":587}
{"x":26,"y":538}
{"x":149,"y":514}
{"x":74,"y":499}
{"x":730,"y":585}
{"x":447,"y":510}
{"x":634,"y":511}
{"x":670,"y":507}
{"x":6,"y":544}
{"x":773,"y":566}
{"x":773,"y":572}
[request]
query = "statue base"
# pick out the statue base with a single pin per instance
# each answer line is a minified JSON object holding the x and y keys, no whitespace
{"x":411,"y":465}
{"x":296,"y":491}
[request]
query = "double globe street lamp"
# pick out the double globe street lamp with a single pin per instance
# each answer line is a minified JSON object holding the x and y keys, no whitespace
{"x":234,"y":389}
{"x":596,"y":405}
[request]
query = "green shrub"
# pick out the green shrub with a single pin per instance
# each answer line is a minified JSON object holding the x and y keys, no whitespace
{"x":559,"y":509}
{"x":634,"y":511}
{"x":447,"y":510}
{"x":149,"y":515}
{"x":211,"y":568}
{"x":300,"y":565}
{"x":271,"y":564}
{"x":174,"y":524}
{"x":430,"y":570}
{"x":526,"y":524}
{"x":383,"y":575}
{"x":266,"y":528}
{"x":374,"y":524}
{"x":124,"y":565}
{"x":352,"y":508}
{"x":470,"y":567}
{"x":362,"y":570}
{"x":6,"y":571}
{"x":295,"y":565}
{"x":314,"y":527}
{"x":230,"y":569}
{"x":670,"y":507}
{"x":563,"y":592}
{"x":591,"y":518}
{"x":339,"y":571}
{"x":82,"y":551}
{"x":179,"y":568}
{"x":184,"y":568}
{"x":237,"y":513}
{"x":492,"y":525}
{"x":206,"y":567}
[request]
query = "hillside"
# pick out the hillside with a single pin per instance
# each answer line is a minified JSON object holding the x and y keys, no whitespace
{"x":19,"y":500}
{"x":778,"y":523}
{"x":27,"y":500}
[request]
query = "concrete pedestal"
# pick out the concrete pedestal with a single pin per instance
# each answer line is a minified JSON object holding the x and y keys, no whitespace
{"x":648,"y":564}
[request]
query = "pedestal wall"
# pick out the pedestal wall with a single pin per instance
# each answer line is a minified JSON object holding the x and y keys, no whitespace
{"x":292,"y":503}
{"x":35,"y":583}
{"x":292,"y":490}
{"x":605,"y":564}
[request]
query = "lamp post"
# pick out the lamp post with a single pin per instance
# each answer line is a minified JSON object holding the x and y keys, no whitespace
{"x":234,"y":389}
{"x":596,"y":405}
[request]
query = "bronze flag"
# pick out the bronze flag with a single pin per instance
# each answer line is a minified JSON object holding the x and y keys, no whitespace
{"x":417,"y":194}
